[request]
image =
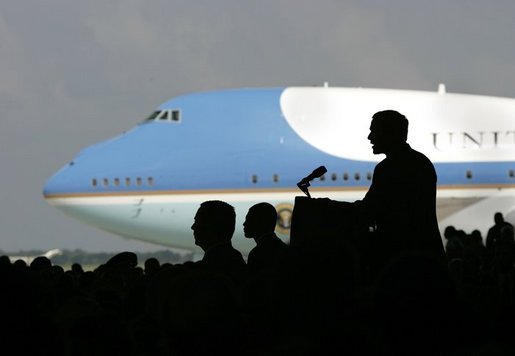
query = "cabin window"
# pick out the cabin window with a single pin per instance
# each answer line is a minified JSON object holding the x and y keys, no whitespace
{"x":117,"y":182}
{"x":357,"y":176}
{"x":345,"y":176}
{"x":254,"y":178}
{"x":511,"y":173}
{"x":94,"y":182}
{"x":150,"y":181}
{"x":334,"y":177}
{"x":369,"y":176}
{"x":127,"y":181}
{"x":322,"y":178}
{"x":105,"y":182}
{"x":138,"y":181}
{"x":275,"y":178}
{"x":469,"y":174}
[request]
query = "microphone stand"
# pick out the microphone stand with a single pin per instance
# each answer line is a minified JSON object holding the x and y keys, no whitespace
{"x":304,"y":182}
{"x":304,"y":185}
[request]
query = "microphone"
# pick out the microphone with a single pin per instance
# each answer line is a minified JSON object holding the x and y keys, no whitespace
{"x":304,"y":182}
{"x":317,"y":173}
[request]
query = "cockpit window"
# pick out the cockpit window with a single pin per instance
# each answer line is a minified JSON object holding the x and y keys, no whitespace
{"x":170,"y":115}
{"x":153,"y":116}
{"x":163,"y":116}
{"x":175,"y":115}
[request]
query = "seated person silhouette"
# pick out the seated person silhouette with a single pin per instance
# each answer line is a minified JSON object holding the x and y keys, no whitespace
{"x":260,"y":225}
{"x":212,"y":230}
{"x":401,"y":201}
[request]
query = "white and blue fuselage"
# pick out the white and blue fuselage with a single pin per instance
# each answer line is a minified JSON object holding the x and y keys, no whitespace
{"x":250,"y":145}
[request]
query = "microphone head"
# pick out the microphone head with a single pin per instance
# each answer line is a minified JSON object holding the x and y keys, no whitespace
{"x":319,"y":171}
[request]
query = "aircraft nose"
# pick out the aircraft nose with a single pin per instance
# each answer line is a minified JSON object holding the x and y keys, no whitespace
{"x":60,"y":182}
{"x":52,"y":185}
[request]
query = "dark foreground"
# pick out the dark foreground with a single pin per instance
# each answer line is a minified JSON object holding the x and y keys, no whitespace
{"x":314,"y":302}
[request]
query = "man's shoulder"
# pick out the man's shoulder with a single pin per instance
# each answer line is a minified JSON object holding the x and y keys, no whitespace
{"x":268,"y":242}
{"x":417,"y":154}
{"x":420,"y":159}
{"x":406,"y":160}
{"x":234,"y":252}
{"x":273,"y":240}
{"x":223,"y":250}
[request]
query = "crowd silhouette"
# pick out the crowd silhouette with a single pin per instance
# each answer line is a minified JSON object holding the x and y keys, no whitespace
{"x":292,"y":302}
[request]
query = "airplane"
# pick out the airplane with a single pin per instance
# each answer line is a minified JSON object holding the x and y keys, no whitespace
{"x":28,"y":259}
{"x":249,"y":145}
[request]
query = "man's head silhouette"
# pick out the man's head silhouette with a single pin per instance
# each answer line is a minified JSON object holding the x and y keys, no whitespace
{"x":388,"y":131}
{"x":261,"y":219}
{"x":498,"y":218}
{"x":214,"y":223}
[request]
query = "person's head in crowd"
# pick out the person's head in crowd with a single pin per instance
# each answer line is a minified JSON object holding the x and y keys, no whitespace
{"x":151,"y":265}
{"x":498,"y":218}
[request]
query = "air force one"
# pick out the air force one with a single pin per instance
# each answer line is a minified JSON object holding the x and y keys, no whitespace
{"x":246,"y":146}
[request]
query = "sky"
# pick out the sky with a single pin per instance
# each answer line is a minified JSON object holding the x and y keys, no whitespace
{"x":73,"y":73}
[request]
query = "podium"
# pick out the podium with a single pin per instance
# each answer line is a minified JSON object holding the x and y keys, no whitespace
{"x":318,"y":222}
{"x":323,"y":224}
{"x":330,"y":233}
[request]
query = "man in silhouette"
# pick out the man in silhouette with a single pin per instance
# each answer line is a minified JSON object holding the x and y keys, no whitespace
{"x":494,"y":235}
{"x":260,"y":225}
{"x":212,"y":230}
{"x":495,"y":231}
{"x":401,"y":201}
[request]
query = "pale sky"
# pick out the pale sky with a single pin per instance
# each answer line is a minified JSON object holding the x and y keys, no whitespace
{"x":77,"y":72}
